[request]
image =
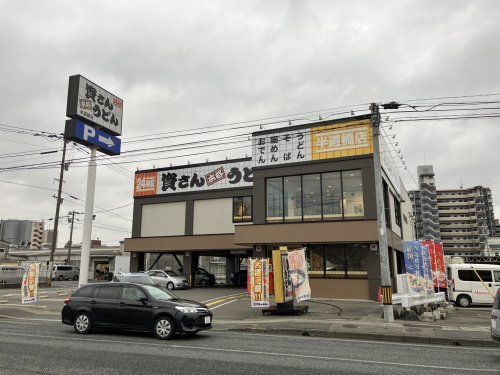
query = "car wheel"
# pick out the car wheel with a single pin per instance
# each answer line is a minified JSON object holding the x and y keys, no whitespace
{"x":203,"y":282}
{"x":170,"y":285}
{"x":75,"y":278}
{"x":464,"y":300}
{"x":60,"y":278}
{"x":83,"y":323}
{"x":164,"y":328}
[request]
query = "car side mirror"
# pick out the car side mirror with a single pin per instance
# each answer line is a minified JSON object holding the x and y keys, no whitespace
{"x":144,"y":300}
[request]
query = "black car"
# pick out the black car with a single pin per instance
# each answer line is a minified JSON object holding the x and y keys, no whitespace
{"x":134,"y":307}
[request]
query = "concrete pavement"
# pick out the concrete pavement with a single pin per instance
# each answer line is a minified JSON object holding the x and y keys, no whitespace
{"x":39,"y":347}
{"x":327,"y":318}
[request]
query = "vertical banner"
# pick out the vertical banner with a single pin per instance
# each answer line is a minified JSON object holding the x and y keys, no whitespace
{"x":298,"y":273}
{"x":437,"y":264}
{"x":412,"y":251}
{"x":259,"y":282}
{"x":287,"y":280}
{"x":426,"y":269}
{"x":29,"y":287}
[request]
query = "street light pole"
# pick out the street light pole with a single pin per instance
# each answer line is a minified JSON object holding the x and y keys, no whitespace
{"x":56,"y":218}
{"x":382,"y":226}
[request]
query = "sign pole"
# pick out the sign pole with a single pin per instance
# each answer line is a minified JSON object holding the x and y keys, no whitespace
{"x":87,"y":221}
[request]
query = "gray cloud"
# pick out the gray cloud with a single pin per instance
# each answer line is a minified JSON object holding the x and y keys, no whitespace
{"x":182,"y":65}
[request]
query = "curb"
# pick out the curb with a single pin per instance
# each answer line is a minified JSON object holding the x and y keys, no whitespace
{"x":372,"y":336}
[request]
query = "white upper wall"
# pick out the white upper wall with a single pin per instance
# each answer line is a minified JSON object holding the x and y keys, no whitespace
{"x":212,"y":216}
{"x":163,"y":219}
{"x":407,"y":215}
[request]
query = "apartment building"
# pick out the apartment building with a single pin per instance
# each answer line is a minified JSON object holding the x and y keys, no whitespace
{"x":425,"y":205}
{"x":461,"y":219}
{"x":23,"y":234}
{"x":466,"y":218}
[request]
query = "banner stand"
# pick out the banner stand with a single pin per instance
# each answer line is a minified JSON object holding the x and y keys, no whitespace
{"x":283,"y":288}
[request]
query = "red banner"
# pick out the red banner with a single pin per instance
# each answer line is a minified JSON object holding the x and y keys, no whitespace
{"x":437,"y":264}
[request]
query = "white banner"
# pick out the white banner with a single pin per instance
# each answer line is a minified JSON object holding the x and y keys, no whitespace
{"x":259,"y":282}
{"x":298,"y":272}
{"x":29,"y":287}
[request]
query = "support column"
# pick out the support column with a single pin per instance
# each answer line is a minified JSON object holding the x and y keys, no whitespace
{"x":87,"y":220}
{"x":230,"y":268}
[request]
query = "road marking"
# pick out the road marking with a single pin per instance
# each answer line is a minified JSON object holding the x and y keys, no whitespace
{"x":255,"y":352}
{"x":222,"y":297}
{"x":26,"y":305}
{"x":223,"y":304}
{"x":30,"y":319}
{"x":378,"y":342}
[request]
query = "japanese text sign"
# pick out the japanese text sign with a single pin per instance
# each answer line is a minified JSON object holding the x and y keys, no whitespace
{"x":202,"y":177}
{"x":340,"y":139}
{"x":259,"y":282}
{"x":29,"y":286}
{"x":437,"y":263}
{"x":94,"y":105}
{"x":298,"y":273}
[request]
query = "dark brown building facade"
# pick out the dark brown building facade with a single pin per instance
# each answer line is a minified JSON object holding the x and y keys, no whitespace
{"x":306,"y":186}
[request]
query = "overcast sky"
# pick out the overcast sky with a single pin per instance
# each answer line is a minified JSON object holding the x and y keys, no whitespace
{"x":190,"y":64}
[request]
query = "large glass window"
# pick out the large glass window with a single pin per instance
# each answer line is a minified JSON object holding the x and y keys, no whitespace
{"x":332,"y":195}
{"x":357,"y":261}
{"x":312,"y":197}
{"x":335,"y":261}
{"x":292,"y":198}
{"x":311,"y":185}
{"x":315,"y":261}
{"x":274,"y":191}
{"x":397,"y":211}
{"x":353,"y":194}
{"x":242,"y":209}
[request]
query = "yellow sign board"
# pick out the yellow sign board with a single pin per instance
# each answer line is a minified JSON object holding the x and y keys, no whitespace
{"x":346,"y":139}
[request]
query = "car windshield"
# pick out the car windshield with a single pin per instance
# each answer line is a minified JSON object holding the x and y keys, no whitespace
{"x":172,"y":273}
{"x":160,"y":293}
{"x":138,"y":279}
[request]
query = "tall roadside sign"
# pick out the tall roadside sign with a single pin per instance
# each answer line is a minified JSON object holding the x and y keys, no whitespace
{"x":96,"y":121}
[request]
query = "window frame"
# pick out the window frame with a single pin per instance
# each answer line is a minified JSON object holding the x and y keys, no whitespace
{"x":251,"y":208}
{"x":322,"y":219}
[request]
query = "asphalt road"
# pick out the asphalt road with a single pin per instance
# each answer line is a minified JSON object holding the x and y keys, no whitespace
{"x":44,"y":347}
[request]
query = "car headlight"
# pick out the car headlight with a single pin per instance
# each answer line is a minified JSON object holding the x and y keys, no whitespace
{"x":186,"y":309}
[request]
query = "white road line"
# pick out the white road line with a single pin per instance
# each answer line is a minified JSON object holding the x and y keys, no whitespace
{"x":26,"y":305}
{"x":255,"y":352}
{"x":30,"y":319}
{"x":377,"y":342}
{"x":222,"y":297}
{"x":222,"y":304}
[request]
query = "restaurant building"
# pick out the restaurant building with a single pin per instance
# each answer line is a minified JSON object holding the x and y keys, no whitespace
{"x":306,"y":186}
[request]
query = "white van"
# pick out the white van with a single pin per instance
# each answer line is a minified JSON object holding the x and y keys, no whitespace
{"x":473,"y":283}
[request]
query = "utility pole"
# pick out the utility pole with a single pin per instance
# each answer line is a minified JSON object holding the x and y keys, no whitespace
{"x":56,"y":218}
{"x":382,"y":226}
{"x":72,"y":220}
